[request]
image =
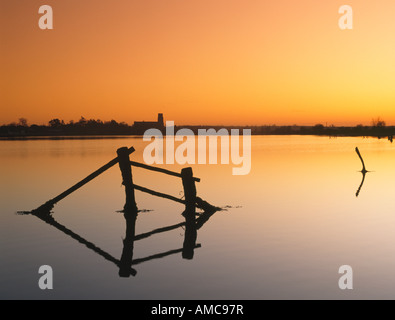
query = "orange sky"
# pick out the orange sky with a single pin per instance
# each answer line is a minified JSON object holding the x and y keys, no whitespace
{"x":198,"y":61}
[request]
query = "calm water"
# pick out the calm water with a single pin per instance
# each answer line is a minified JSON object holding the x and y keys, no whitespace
{"x":289,"y":225}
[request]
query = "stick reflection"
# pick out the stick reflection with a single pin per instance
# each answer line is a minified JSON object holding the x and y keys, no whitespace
{"x":361,"y":185}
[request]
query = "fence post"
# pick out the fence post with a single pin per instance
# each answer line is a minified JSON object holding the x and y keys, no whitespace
{"x":189,"y":189}
{"x":189,"y":213}
{"x":126,"y":170}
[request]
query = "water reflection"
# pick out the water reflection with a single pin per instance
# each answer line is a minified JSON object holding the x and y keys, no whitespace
{"x":362,"y":182}
{"x":192,"y":224}
{"x":125,"y":266}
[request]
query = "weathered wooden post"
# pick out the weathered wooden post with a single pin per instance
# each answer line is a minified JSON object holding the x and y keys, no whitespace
{"x":129,"y":212}
{"x":189,"y":189}
{"x":189,"y":213}
{"x":126,"y":170}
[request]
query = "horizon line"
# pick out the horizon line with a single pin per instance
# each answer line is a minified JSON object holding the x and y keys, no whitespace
{"x":27,"y":124}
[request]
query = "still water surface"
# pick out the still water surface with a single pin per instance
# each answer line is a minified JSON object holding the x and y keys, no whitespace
{"x":287,"y":228}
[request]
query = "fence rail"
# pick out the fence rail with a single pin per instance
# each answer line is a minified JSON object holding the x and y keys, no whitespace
{"x":49,"y":204}
{"x":158,"y":194}
{"x":148,"y":167}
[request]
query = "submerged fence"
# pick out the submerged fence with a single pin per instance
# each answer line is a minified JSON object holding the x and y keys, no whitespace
{"x":191,"y":202}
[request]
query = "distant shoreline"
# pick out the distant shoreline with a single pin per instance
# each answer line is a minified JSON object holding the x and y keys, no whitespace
{"x":97,"y":129}
{"x":331,"y":132}
{"x":70,"y":137}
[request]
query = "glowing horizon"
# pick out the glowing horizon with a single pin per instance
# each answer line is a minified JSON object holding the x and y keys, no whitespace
{"x":221,"y":62}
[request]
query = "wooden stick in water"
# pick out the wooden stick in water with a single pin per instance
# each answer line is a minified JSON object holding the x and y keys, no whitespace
{"x":363,"y":163}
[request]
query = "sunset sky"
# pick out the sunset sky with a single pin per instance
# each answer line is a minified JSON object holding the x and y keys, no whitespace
{"x":241,"y":62}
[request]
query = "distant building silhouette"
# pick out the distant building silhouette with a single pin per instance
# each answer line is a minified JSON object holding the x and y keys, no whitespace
{"x":160,"y":119}
{"x":139,"y":127}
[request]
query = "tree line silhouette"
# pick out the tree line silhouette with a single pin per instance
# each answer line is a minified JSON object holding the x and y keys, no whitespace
{"x":86,"y":127}
{"x":56,"y":127}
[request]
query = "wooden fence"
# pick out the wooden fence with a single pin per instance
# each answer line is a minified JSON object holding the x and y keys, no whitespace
{"x":191,"y":202}
{"x":125,"y":165}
